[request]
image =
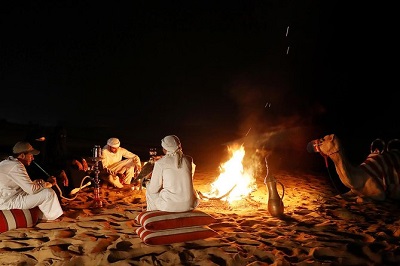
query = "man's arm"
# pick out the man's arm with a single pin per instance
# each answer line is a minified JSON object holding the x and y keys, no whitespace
{"x":22,"y":179}
{"x":130,"y":155}
{"x":156,"y":180}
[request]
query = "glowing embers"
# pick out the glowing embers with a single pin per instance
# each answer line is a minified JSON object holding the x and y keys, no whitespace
{"x":235,"y":181}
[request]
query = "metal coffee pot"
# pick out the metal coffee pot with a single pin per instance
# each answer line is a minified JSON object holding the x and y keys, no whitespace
{"x":275,"y":203}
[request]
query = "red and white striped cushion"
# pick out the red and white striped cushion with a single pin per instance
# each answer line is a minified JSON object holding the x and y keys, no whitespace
{"x":18,"y":218}
{"x":161,"y":220}
{"x":170,"y":236}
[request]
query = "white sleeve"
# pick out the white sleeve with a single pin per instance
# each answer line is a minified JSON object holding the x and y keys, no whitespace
{"x":21,"y":178}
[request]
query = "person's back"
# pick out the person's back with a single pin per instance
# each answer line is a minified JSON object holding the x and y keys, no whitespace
{"x":171,"y":184}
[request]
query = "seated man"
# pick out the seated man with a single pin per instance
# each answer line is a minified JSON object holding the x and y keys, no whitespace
{"x":77,"y":169}
{"x":171,"y":186}
{"x":119,"y":171}
{"x":18,"y":191}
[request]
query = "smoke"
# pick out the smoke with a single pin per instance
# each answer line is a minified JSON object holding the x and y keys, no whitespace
{"x":274,"y":122}
{"x":270,"y":112}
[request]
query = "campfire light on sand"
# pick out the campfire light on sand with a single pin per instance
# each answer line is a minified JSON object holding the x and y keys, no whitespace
{"x":234,"y":182}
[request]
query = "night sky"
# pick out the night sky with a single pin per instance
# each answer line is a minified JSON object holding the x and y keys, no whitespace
{"x":228,"y":67}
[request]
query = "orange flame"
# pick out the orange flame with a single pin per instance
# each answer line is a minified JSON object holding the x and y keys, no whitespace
{"x":234,"y":182}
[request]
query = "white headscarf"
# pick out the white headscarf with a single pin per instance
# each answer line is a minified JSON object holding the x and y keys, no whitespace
{"x":173,"y":146}
{"x":113,"y":142}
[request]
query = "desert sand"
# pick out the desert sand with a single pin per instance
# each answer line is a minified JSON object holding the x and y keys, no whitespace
{"x":318,"y":228}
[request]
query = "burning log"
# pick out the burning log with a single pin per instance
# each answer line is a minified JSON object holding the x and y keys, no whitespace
{"x":202,"y":196}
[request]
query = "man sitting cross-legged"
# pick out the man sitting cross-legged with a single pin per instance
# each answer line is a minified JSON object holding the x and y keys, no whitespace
{"x":116,"y":170}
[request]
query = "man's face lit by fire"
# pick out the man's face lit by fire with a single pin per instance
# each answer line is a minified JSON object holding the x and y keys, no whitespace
{"x":112,"y":149}
{"x":26,"y":158}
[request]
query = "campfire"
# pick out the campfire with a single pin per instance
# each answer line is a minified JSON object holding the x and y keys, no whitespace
{"x":235,"y":181}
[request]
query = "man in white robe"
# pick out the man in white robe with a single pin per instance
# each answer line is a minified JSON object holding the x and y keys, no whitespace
{"x":171,"y":184}
{"x":18,"y":191}
{"x":120,"y":171}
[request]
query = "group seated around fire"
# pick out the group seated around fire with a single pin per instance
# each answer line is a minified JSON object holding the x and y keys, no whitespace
{"x":171,"y":198}
{"x":117,"y":166}
{"x":169,"y":186}
{"x":172,"y":174}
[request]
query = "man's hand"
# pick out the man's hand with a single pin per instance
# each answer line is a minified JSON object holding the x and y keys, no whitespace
{"x":138,"y":168}
{"x":39,"y":182}
{"x":121,"y":176}
{"x":52,"y":180}
{"x":111,"y":172}
{"x":64,"y":178}
{"x":85,"y":165}
{"x":43,"y":183}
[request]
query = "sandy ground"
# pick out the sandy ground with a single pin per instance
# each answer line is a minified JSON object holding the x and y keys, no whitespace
{"x":317,"y":228}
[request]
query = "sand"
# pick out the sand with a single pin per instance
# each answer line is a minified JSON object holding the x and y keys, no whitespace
{"x":317,"y":228}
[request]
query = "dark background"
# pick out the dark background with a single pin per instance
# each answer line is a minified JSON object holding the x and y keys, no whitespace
{"x":271,"y":74}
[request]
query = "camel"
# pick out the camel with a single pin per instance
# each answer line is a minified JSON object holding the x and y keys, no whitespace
{"x":377,"y":178}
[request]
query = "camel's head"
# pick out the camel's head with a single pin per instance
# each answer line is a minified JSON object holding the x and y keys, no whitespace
{"x":328,"y":145}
